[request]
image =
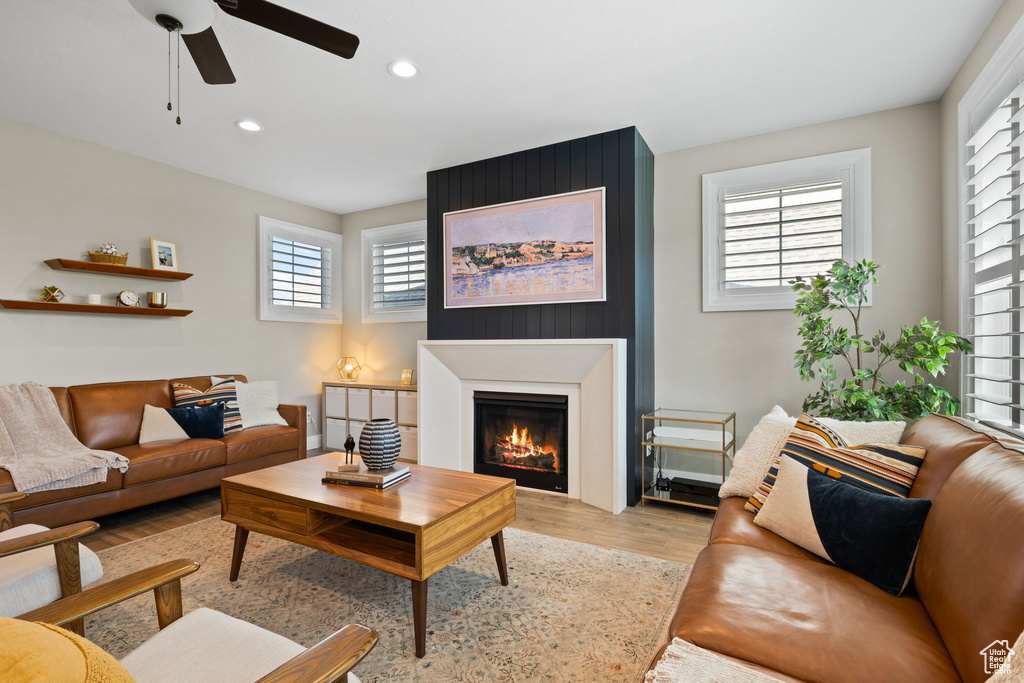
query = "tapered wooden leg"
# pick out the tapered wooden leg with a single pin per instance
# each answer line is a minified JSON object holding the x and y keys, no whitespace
{"x":498,"y":542}
{"x":241,"y":536}
{"x":419,"y":615}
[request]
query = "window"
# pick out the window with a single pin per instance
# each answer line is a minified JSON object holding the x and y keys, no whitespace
{"x":765,"y":225}
{"x":300,"y":273}
{"x":991,"y":119}
{"x":394,"y":273}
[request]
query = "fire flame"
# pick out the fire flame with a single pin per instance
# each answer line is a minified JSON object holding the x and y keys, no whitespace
{"x":521,"y":439}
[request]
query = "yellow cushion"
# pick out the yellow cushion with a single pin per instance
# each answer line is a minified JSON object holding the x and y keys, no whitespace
{"x":41,"y":652}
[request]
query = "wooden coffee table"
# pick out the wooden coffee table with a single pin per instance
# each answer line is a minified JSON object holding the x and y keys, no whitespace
{"x":413,"y":529}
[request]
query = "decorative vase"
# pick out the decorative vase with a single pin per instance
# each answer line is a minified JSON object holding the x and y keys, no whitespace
{"x":379,"y":444}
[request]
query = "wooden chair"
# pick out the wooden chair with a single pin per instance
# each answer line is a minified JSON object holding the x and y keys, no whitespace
{"x":206,"y":645}
{"x":32,"y":575}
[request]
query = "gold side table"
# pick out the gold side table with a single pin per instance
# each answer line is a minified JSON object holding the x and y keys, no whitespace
{"x":701,"y":436}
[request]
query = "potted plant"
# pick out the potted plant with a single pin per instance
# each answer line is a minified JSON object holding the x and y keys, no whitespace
{"x":866,"y":394}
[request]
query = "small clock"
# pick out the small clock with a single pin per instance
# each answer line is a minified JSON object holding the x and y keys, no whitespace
{"x":127,"y":298}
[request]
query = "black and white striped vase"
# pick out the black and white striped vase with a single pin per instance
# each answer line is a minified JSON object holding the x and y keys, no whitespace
{"x":379,"y":444}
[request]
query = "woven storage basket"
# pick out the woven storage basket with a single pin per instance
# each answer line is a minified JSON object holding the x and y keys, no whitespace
{"x":117,"y":260}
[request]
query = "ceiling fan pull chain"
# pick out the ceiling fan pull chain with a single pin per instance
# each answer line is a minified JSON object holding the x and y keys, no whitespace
{"x":178,"y":118}
{"x":168,"y":71}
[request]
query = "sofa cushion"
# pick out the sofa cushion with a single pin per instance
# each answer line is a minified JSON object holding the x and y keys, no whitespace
{"x":163,"y":459}
{"x":869,"y":534}
{"x":949,"y":441}
{"x":733,"y":524}
{"x":806,"y":619}
{"x":108,"y":416}
{"x":259,"y":441}
{"x":29,"y":580}
{"x":970,"y":566}
{"x":114,"y":481}
{"x":223,"y":392}
{"x":43,"y":652}
{"x":889,"y":469}
{"x":204,"y":382}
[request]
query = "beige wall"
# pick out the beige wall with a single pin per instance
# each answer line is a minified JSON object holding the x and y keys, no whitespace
{"x":1002,"y":23}
{"x":60,"y":196}
{"x":742,"y":361}
{"x":383,"y":349}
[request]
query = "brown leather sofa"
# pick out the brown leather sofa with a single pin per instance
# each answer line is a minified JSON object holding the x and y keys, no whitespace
{"x":759,"y":599}
{"x":108,"y":417}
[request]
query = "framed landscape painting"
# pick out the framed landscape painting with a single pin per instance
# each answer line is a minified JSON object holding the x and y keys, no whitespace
{"x":535,"y":251}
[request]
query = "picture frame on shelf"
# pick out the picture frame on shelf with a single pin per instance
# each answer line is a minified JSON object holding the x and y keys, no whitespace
{"x":534,"y":251}
{"x":164,"y":254}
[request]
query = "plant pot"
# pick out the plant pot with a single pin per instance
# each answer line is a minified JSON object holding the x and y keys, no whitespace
{"x":379,"y":444}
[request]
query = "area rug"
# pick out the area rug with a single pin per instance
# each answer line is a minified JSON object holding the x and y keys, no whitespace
{"x":571,"y":611}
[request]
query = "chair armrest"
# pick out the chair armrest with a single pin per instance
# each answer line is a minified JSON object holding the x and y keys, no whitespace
{"x":105,"y":595}
{"x":329,"y":660}
{"x":41,"y":539}
{"x":7,"y":510}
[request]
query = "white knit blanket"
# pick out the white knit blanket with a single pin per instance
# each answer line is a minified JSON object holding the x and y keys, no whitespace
{"x":38,"y":448}
{"x":684,"y":662}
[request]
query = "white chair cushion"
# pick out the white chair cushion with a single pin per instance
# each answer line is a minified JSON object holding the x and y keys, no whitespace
{"x":29,"y":580}
{"x":206,"y":645}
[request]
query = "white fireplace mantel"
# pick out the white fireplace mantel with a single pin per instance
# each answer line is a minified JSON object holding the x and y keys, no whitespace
{"x":592,"y":372}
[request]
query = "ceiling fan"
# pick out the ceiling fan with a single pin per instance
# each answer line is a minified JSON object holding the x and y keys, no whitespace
{"x":193,"y":21}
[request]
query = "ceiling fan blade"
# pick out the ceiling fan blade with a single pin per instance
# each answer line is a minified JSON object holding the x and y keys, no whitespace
{"x":209,"y":57}
{"x":293,"y":25}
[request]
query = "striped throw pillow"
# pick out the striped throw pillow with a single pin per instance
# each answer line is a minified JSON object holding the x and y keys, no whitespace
{"x":221,"y":392}
{"x":887,"y":469}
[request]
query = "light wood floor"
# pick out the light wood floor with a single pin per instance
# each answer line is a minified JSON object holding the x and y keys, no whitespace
{"x":666,"y":531}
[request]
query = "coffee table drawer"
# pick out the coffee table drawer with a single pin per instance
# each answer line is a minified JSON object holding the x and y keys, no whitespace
{"x":275,"y":513}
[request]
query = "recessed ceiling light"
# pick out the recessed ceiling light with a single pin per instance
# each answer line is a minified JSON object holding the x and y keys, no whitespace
{"x":249,"y":125}
{"x":403,"y":69}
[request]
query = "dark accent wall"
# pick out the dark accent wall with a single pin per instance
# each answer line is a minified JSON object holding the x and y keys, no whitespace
{"x":622,"y":163}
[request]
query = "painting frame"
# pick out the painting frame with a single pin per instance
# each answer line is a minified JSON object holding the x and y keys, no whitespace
{"x":455,"y":236}
{"x":163,"y":254}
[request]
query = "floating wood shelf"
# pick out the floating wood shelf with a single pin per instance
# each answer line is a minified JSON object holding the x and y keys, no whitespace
{"x":111,"y":269}
{"x":18,"y":305}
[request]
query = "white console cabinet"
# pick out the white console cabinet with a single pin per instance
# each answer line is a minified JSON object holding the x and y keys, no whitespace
{"x":346,"y":406}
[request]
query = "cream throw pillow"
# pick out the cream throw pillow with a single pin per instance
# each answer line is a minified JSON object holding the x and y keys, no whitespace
{"x":257,"y":402}
{"x":757,"y":454}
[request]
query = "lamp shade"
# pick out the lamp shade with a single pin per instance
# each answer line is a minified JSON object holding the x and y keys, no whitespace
{"x":348,"y":368}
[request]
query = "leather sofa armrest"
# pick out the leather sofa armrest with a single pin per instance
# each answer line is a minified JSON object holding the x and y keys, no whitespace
{"x":295,"y":416}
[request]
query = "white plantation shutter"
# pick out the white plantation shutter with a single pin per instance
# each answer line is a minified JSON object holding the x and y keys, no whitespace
{"x":395,"y":273}
{"x":300,"y":273}
{"x":772,"y":236}
{"x":766,"y":225}
{"x":993,"y":265}
{"x":399,"y":273}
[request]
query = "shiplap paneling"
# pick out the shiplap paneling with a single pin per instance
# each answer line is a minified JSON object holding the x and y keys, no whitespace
{"x":622,"y":163}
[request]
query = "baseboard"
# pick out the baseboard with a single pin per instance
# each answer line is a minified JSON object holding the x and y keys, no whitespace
{"x":313,"y":441}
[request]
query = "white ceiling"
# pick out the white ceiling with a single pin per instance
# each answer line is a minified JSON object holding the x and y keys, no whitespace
{"x":496,"y":77}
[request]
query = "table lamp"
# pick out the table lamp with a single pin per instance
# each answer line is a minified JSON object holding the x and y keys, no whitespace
{"x":348,"y":368}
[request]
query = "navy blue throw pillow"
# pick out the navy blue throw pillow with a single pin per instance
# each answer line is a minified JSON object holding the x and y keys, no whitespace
{"x":872,"y":535}
{"x":202,"y":422}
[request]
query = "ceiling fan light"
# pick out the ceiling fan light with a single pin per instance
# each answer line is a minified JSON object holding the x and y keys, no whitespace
{"x":403,"y":69}
{"x":249,"y":125}
{"x":194,"y":15}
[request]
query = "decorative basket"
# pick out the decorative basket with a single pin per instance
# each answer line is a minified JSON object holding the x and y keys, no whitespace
{"x":115,"y":259}
{"x":379,"y":444}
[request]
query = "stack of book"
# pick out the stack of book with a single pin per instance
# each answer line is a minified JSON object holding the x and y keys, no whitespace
{"x":374,"y":479}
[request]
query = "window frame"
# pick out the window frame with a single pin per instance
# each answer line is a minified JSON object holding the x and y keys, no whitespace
{"x":270,"y":228}
{"x":853,"y":167}
{"x":406,"y":314}
{"x":996,"y":81}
